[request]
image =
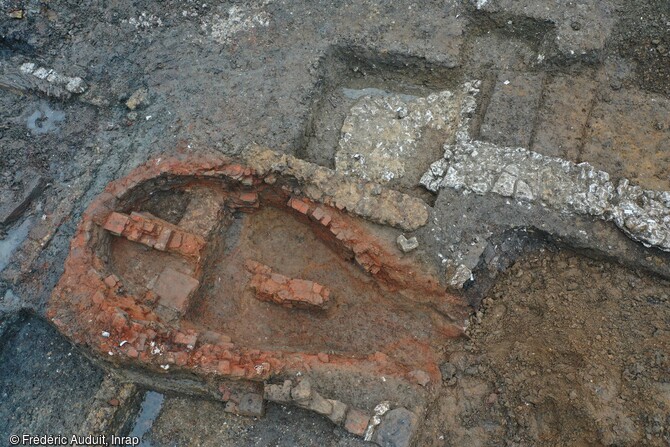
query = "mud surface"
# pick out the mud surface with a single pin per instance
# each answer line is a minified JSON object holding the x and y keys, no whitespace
{"x":643,"y":37}
{"x":40,"y":372}
{"x":565,"y":351}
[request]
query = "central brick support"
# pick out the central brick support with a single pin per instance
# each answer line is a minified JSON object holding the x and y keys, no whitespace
{"x":174,"y":290}
{"x":286,"y":291}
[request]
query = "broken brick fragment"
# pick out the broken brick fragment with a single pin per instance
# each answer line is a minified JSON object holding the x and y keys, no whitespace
{"x":185,"y":339}
{"x":180,"y":358}
{"x":149,"y":227}
{"x":356,"y":422}
{"x":249,"y":197}
{"x":116,"y":223}
{"x":111,"y":281}
{"x":98,"y":297}
{"x":299,"y":205}
{"x":237,"y":371}
{"x":175,"y":289}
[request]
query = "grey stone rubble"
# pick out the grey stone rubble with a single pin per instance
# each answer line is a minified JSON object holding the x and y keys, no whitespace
{"x":303,"y":395}
{"x":71,"y":84}
{"x":460,"y":274}
{"x":386,"y":428}
{"x":407,"y":245}
{"x":369,"y":200}
{"x":382,"y":133}
{"x":380,"y":410}
{"x":528,"y":177}
{"x":397,"y":428}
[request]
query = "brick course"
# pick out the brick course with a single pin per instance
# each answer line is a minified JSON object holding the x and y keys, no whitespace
{"x":285,"y":291}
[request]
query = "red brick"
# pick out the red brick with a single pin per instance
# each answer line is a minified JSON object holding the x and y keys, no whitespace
{"x":175,"y":289}
{"x":163,"y":239}
{"x":180,"y":358}
{"x":224,"y":367}
{"x":318,"y":213}
{"x":279,"y":279}
{"x":234,"y":171}
{"x":116,"y":223}
{"x":185,"y":339}
{"x":248,"y":197}
{"x":133,"y":234}
{"x":299,"y":205}
{"x":141,"y":342}
{"x":356,"y":422}
{"x":191,"y":245}
{"x":148,"y":240}
{"x":111,"y":281}
{"x":175,"y":241}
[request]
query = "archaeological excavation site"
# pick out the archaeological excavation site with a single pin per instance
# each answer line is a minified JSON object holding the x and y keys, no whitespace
{"x":334,"y":224}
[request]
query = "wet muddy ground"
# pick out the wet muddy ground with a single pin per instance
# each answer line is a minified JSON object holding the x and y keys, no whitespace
{"x":564,"y":351}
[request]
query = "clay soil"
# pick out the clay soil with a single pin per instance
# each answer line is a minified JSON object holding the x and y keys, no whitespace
{"x":565,"y":351}
{"x":362,"y":318}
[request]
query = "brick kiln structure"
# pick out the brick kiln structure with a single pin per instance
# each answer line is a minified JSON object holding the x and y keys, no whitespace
{"x":158,"y":277}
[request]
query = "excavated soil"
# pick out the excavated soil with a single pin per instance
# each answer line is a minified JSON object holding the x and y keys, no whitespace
{"x":565,"y":350}
{"x":362,"y":318}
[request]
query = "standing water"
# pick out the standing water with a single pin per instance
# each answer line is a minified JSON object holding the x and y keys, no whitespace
{"x":151,"y":407}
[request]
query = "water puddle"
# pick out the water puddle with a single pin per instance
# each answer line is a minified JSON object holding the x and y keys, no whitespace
{"x":149,"y":411}
{"x":45,"y":120}
{"x":12,"y":240}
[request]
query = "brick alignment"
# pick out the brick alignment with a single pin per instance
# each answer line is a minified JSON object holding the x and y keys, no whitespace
{"x":286,"y":291}
{"x":155,"y":233}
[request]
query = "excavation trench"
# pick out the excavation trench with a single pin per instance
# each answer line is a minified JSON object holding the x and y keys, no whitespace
{"x":204,"y":267}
